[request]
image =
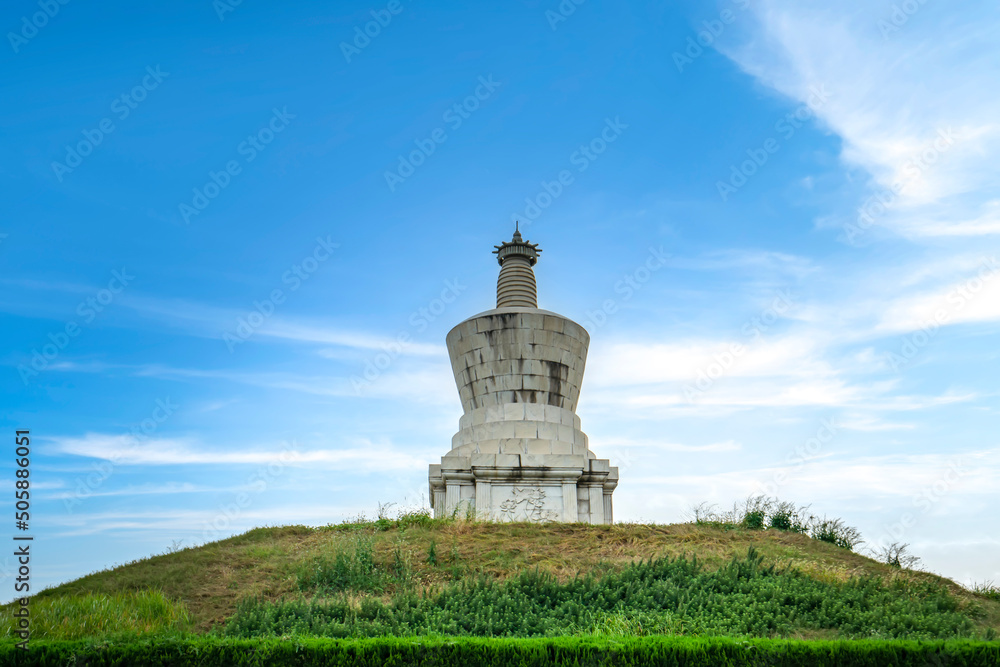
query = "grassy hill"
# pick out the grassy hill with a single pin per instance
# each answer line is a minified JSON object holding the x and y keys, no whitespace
{"x":367,"y":577}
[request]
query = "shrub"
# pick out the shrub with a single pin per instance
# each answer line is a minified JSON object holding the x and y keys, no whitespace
{"x":759,"y":512}
{"x":785,"y":516}
{"x":753,"y":514}
{"x":417,"y":517}
{"x":746,"y":597}
{"x":835,"y":532}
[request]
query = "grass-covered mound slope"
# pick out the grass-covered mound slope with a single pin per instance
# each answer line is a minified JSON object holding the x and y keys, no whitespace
{"x":663,"y":596}
{"x":417,"y":576}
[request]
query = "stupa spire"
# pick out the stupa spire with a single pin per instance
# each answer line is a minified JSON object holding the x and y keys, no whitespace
{"x":516,"y":286}
{"x":519,"y":453}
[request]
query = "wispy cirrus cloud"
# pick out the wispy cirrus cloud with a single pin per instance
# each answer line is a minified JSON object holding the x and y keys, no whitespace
{"x":193,"y":318}
{"x":168,"y":488}
{"x":189,"y":524}
{"x":625,"y":443}
{"x":895,"y":93}
{"x":212,"y":321}
{"x":125,"y":450}
{"x":757,"y":262}
{"x":832,"y":478}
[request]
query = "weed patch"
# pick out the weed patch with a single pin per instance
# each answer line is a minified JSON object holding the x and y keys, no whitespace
{"x":661,"y":596}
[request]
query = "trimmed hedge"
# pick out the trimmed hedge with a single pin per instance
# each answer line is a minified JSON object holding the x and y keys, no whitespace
{"x":468,"y":652}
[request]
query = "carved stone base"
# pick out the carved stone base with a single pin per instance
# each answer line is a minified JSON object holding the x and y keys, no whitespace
{"x":518,"y":487}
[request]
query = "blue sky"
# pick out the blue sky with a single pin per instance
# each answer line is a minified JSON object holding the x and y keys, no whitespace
{"x":234,"y":237}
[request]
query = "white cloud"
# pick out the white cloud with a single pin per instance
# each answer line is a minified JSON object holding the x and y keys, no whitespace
{"x":830,"y":480}
{"x":142,"y":490}
{"x":616,"y":364}
{"x":420,"y":381}
{"x":972,"y":299}
{"x":626,"y":443}
{"x":755,"y":261}
{"x":213,"y":322}
{"x":126,"y":450}
{"x":317,"y":333}
{"x":862,"y":422}
{"x":210,"y":321}
{"x":892,"y":93}
{"x":193,"y":526}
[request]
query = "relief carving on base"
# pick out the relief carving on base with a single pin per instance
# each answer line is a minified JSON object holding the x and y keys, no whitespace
{"x":527,"y":504}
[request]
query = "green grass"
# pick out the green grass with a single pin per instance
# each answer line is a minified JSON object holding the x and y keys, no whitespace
{"x":353,"y":569}
{"x":760,"y":512}
{"x":86,"y":616}
{"x":746,"y":598}
{"x":987,"y":590}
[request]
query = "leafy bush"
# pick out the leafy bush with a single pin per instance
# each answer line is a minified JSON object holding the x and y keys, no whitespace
{"x":414,"y":518}
{"x":785,"y":516}
{"x":754,"y":513}
{"x":754,"y":520}
{"x":758,"y":512}
{"x":835,"y":532}
{"x":744,"y":598}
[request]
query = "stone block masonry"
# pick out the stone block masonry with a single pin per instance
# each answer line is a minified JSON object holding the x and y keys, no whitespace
{"x":519,"y":453}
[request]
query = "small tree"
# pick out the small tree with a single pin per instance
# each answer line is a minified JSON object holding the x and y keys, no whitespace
{"x":896,"y":555}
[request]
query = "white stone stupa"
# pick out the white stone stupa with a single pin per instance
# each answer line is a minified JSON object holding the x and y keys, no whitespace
{"x":519,"y":454}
